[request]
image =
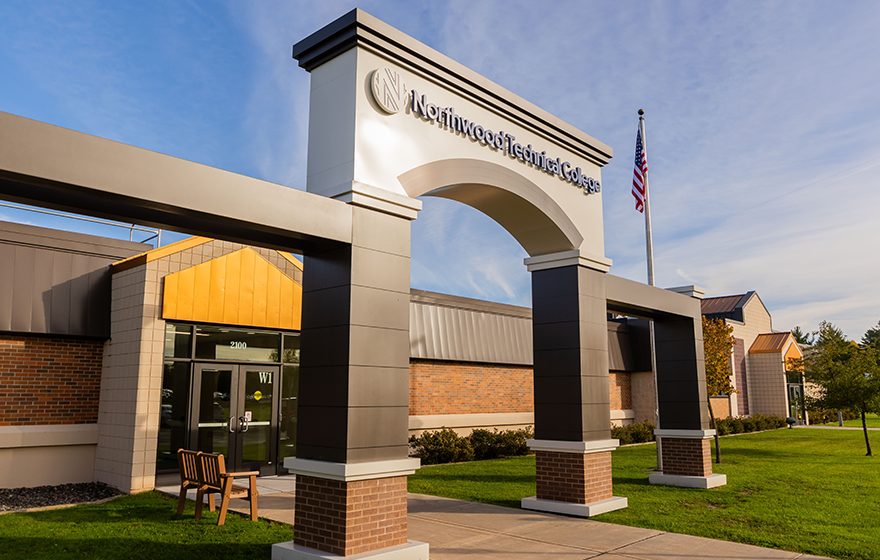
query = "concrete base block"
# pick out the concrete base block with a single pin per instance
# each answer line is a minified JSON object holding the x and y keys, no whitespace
{"x":579,"y":510}
{"x":412,"y":550}
{"x":703,"y":482}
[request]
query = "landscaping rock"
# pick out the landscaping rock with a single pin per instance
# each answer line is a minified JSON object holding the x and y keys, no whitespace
{"x":12,"y":499}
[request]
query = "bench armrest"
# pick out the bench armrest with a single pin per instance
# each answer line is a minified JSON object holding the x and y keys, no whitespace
{"x":237,"y":474}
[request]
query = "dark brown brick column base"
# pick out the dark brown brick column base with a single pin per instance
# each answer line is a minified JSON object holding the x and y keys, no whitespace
{"x":686,"y":457}
{"x":575,"y":482}
{"x":348,"y":518}
{"x":687,"y":461}
{"x":573,"y":477}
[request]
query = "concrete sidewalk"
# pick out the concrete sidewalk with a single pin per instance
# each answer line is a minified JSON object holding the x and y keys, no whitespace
{"x":824,"y":427}
{"x":457,"y":530}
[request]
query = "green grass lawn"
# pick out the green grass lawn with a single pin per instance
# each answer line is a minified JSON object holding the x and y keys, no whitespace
{"x":872,"y":420}
{"x":809,"y":491}
{"x":139,"y":526}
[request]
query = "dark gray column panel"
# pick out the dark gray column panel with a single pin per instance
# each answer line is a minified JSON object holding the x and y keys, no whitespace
{"x":55,"y":282}
{"x":570,"y":355}
{"x":681,"y":374}
{"x":354,"y":372}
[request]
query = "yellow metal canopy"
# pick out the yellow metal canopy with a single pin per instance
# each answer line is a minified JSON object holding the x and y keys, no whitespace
{"x":776,"y":342}
{"x":241,"y":288}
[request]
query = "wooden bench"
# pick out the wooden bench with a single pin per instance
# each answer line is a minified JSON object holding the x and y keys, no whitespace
{"x":189,"y":476}
{"x":211,"y":478}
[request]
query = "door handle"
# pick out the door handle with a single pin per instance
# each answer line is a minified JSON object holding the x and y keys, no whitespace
{"x":244,"y":423}
{"x":231,"y":428}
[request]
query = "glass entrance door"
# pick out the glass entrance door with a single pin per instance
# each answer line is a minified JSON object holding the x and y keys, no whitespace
{"x":235,"y":411}
{"x":795,"y":398}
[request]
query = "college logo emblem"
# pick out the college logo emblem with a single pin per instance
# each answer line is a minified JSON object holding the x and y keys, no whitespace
{"x":388,"y":90}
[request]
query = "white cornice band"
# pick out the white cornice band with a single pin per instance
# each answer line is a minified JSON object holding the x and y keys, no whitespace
{"x":577,"y":447}
{"x":349,"y":472}
{"x":568,"y":258}
{"x":685,"y":434}
{"x":367,"y":196}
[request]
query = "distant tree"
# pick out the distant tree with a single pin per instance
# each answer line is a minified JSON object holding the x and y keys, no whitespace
{"x":848,"y":375}
{"x":872,"y":338}
{"x":802,"y":337}
{"x":718,"y":343}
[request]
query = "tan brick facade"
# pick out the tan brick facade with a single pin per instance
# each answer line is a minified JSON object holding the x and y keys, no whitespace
{"x":348,"y":518}
{"x":49,"y":380}
{"x":131,"y":387}
{"x":620,"y":390}
{"x":443,"y":387}
{"x":686,"y":457}
{"x":573,"y":477}
{"x":756,"y":321}
{"x":721,"y":406}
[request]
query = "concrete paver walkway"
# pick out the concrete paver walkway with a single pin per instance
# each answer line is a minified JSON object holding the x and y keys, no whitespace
{"x":464,"y":530}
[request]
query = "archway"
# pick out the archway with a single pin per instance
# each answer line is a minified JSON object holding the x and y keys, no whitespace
{"x":540,"y":181}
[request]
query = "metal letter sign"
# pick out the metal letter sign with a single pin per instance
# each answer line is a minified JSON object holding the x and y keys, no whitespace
{"x":389,"y":90}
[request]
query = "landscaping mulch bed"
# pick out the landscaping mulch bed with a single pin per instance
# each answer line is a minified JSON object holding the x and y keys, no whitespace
{"x":15,"y":499}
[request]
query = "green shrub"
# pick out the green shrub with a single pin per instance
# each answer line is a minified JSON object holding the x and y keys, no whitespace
{"x":494,"y":444}
{"x":769,"y":422}
{"x":736,"y":425}
{"x":829,"y":416}
{"x":641,"y":432}
{"x":444,"y":446}
{"x":723,"y":426}
{"x":621,"y":434}
{"x":746,"y":424}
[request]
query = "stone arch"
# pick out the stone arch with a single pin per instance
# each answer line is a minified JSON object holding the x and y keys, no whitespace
{"x":521,"y":207}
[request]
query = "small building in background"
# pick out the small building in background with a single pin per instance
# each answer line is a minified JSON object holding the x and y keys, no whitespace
{"x":759,"y":365}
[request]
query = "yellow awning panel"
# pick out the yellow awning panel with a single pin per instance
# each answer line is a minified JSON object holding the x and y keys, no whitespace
{"x":241,"y":288}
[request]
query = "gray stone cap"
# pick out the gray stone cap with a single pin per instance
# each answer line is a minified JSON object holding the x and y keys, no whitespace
{"x":576,"y":447}
{"x":685,"y":434}
{"x":349,"y":472}
{"x":359,"y":29}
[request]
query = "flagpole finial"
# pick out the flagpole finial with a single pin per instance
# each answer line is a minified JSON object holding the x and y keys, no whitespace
{"x":641,"y":112}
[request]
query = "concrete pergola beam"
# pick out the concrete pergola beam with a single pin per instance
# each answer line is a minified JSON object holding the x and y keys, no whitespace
{"x":54,"y":167}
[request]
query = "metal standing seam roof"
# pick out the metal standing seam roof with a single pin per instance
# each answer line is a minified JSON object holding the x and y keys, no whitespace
{"x":448,"y":328}
{"x":724,"y":304}
{"x":769,"y":343}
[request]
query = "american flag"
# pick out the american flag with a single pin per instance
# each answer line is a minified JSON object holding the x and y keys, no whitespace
{"x":639,"y":172}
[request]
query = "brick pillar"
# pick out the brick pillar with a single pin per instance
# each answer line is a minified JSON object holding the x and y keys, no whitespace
{"x":347,"y":518}
{"x":572,"y":401}
{"x":352,"y":427}
{"x":684,"y":412}
{"x":687,"y":457}
{"x":573,"y":478}
{"x":687,"y":460}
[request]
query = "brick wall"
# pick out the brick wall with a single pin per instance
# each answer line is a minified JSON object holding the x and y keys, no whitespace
{"x":721,"y":406}
{"x":686,"y":457}
{"x":441,"y":387}
{"x":621,"y":390}
{"x":767,"y":384}
{"x":573,"y":477}
{"x":348,"y":518}
{"x":49,"y":380}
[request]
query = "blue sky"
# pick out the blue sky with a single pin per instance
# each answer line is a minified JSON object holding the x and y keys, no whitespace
{"x":762,"y":129}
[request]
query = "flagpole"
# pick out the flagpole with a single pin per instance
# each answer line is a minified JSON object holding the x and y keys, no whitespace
{"x":650,"y":248}
{"x":648,"y":237}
